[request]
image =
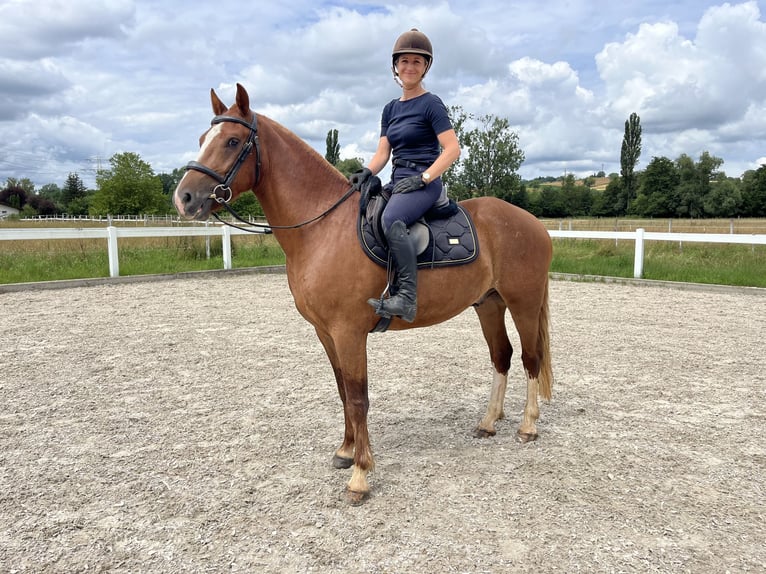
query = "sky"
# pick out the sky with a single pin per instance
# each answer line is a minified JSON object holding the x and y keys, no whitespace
{"x":82,"y":80}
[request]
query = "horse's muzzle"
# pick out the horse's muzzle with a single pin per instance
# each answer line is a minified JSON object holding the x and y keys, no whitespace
{"x":192,"y":206}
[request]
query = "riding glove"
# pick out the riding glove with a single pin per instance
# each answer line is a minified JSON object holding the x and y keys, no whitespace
{"x":408,"y":184}
{"x":358,"y":178}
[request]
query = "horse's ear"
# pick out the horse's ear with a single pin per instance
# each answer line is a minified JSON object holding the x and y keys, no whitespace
{"x":218,"y":106}
{"x":243,"y":100}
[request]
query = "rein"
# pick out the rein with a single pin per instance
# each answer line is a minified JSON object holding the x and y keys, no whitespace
{"x":224,"y":182}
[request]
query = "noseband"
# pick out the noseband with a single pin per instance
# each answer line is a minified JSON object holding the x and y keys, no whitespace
{"x":222,"y":192}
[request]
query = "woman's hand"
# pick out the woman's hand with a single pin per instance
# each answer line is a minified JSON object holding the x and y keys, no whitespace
{"x":408,"y":184}
{"x":358,"y":178}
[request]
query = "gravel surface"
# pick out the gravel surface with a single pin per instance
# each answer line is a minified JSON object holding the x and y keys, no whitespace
{"x":188,"y":426}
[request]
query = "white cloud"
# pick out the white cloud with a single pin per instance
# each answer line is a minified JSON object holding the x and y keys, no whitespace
{"x":100,"y":77}
{"x":31,"y":29}
{"x":673,"y":82}
{"x":692,"y":94}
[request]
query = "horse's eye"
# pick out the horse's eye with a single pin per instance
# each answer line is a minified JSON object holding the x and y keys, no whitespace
{"x":233,"y":142}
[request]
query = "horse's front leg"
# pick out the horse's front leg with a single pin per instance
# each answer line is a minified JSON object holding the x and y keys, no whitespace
{"x":357,"y":405}
{"x":351,"y":349}
{"x":348,"y":355}
{"x":344,"y":456}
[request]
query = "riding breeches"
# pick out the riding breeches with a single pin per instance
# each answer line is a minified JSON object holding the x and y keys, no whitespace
{"x":409,"y":207}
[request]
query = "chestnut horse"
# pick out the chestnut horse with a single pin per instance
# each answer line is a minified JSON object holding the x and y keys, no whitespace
{"x":313,"y":216}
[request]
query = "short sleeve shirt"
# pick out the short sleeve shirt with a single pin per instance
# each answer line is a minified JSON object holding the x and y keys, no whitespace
{"x":412,"y":127}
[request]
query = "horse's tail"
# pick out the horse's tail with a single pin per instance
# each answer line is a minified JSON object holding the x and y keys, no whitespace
{"x":545,"y":376}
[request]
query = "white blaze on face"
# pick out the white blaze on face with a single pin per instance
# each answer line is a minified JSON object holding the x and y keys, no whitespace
{"x":209,"y":137}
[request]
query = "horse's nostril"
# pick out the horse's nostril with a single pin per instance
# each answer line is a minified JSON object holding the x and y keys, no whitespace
{"x":186,"y":197}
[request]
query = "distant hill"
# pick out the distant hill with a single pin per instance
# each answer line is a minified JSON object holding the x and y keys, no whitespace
{"x":599,"y":183}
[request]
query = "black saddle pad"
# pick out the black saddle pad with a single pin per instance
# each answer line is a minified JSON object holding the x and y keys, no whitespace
{"x":452,"y":240}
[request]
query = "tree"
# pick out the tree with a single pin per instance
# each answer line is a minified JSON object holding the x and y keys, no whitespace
{"x":689,"y":202}
{"x":333,"y":147}
{"x":724,"y":199}
{"x":611,"y":201}
{"x":38,"y":205}
{"x":577,"y":199}
{"x":73,"y":196}
{"x":13,"y":195}
{"x":492,"y":158}
{"x":24,"y":183}
{"x":550,"y":202}
{"x":629,"y":155}
{"x":52,"y":193}
{"x":754,"y":192}
{"x":695,"y":183}
{"x":170,"y":180}
{"x":349,"y":166}
{"x":657,"y":195}
{"x":520,"y":198}
{"x":452,"y":178}
{"x":247,"y":205}
{"x":128,"y":188}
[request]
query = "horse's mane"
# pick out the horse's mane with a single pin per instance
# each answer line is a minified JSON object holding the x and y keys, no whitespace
{"x":286,"y":134}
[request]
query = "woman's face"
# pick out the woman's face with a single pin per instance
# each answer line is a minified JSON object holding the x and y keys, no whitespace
{"x":411,"y":68}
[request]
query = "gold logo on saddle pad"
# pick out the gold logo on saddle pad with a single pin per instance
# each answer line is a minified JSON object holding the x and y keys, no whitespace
{"x":454,"y":241}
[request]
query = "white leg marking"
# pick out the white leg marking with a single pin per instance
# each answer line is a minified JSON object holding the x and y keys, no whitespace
{"x":358,"y":482}
{"x":496,"y":401}
{"x":531,"y":409}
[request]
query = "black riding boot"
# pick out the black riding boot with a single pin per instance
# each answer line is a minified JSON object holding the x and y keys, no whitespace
{"x":404,"y":303}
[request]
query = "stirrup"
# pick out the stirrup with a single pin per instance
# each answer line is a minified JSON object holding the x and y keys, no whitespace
{"x":379,"y":306}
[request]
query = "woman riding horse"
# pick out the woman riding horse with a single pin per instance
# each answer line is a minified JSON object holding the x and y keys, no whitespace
{"x":414,"y":127}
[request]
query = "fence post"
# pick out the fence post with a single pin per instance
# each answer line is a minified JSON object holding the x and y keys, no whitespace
{"x":638,"y":262}
{"x":226,"y":247}
{"x":114,"y":262}
{"x":207,"y":241}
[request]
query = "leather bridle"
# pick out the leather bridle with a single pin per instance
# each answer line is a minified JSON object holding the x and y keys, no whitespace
{"x":222,"y":192}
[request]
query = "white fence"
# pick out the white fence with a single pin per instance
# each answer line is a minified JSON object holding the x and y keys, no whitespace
{"x":112,"y":234}
{"x":640,"y":237}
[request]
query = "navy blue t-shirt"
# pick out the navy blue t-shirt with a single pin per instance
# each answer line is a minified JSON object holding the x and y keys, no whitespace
{"x":412,"y":127}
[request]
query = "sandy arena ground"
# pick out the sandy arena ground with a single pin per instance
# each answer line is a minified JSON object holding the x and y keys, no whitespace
{"x":188,"y":426}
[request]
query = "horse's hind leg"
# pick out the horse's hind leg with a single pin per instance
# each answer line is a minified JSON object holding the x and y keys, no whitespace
{"x":531,"y":318}
{"x":491,"y":312}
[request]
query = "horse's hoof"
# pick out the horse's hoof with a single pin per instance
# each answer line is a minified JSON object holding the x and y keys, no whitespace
{"x":342,"y":462}
{"x":483,"y":433}
{"x":356,"y":498}
{"x":525,"y":437}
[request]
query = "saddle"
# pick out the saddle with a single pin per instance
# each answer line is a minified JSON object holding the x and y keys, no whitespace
{"x":444,"y":236}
